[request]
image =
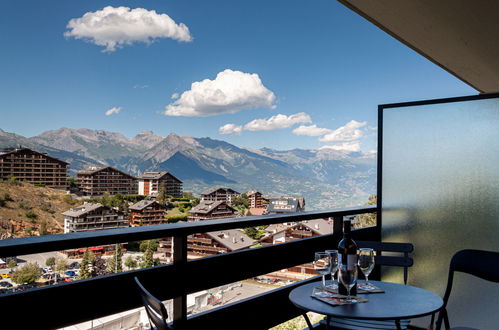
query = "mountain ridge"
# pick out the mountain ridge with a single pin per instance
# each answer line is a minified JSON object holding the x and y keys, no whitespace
{"x":326,"y":178}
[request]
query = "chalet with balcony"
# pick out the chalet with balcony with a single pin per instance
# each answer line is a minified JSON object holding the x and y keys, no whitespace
{"x":219,"y":194}
{"x":93,"y":216}
{"x":256,"y":199}
{"x":206,"y":210}
{"x":34,"y":167}
{"x":207,"y":244}
{"x":150,"y":184}
{"x":147,"y":212}
{"x":285,"y":204}
{"x":97,"y":181}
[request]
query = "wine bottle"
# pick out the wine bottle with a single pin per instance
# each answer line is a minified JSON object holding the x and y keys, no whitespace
{"x":347,"y":255}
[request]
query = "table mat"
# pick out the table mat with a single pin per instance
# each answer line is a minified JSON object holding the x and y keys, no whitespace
{"x":334,"y":299}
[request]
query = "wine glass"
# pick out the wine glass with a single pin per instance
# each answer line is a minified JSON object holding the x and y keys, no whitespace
{"x":334,"y":266}
{"x":366,"y":264}
{"x":322,"y":262}
{"x":348,"y":277}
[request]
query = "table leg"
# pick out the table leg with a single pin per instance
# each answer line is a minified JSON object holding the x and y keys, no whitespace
{"x":305,"y":316}
{"x":397,"y":323}
{"x":328,"y":320}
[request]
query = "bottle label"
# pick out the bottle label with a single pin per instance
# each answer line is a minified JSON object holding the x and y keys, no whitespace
{"x":351,"y":261}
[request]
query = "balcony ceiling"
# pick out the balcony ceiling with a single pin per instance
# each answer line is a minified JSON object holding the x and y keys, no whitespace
{"x":461,"y":36}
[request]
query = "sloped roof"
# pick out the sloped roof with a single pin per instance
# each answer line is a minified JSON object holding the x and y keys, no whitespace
{"x":285,"y":204}
{"x":257,"y":210}
{"x":139,"y":206}
{"x":320,"y":226}
{"x":205,"y":207}
{"x":212,"y":190}
{"x":84,"y":209}
{"x":94,"y":170}
{"x":232,"y":239}
{"x":157,"y":175}
{"x":18,"y":150}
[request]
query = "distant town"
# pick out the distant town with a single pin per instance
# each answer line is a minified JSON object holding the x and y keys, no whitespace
{"x":107,"y":198}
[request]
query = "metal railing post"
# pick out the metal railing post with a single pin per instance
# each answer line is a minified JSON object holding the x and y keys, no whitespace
{"x":179,"y":248}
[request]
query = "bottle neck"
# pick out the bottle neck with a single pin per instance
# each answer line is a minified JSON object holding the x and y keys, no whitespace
{"x":346,"y":229}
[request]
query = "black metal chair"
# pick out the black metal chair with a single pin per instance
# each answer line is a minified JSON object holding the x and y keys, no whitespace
{"x":381,"y":260}
{"x":479,"y":263}
{"x":155,"y":309}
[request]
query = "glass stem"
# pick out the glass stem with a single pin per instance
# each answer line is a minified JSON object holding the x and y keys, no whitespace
{"x":367,"y":280}
{"x":324,"y":281}
{"x":348,"y":290}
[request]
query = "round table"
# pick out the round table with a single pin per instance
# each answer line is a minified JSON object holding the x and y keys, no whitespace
{"x":396,"y":303}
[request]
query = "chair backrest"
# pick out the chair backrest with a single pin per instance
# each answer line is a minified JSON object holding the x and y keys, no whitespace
{"x":479,"y":263}
{"x":383,"y":260}
{"x":155,"y":309}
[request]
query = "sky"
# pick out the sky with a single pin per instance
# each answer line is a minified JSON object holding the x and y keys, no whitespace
{"x":278,"y":74}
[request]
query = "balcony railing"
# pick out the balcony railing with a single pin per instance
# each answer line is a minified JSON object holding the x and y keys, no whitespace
{"x":70,"y":303}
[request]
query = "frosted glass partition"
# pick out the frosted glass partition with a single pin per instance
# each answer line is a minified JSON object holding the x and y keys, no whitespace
{"x":440,"y":191}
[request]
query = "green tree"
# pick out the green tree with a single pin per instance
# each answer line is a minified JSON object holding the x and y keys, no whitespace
{"x":115,"y":263}
{"x":147,"y":258}
{"x":60,"y":266}
{"x":27,"y":274}
{"x":86,"y":265}
{"x":130,"y":262}
{"x":71,"y":182}
{"x":152,"y":244}
{"x":241,"y":202}
{"x":11,"y":264}
{"x":50,"y":262}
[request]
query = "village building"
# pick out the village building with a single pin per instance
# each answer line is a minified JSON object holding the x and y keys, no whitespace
{"x":97,"y":181}
{"x":34,"y":167}
{"x":147,"y":212}
{"x":286,"y":204}
{"x":150,"y":184}
{"x":219,"y":194}
{"x":256,"y":199}
{"x":206,"y":210}
{"x":207,"y":244}
{"x":93,"y":216}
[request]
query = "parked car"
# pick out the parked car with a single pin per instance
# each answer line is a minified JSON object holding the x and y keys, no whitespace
{"x":5,"y":275}
{"x":70,"y":273}
{"x":5,"y":284}
{"x":75,"y":264}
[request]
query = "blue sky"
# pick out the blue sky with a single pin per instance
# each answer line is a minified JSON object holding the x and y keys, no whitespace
{"x":270,"y":69}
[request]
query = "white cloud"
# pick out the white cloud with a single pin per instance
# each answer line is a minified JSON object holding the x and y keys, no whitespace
{"x":230,"y":129}
{"x":141,"y":86}
{"x":117,"y":27}
{"x":175,"y":96}
{"x":350,"y":132}
{"x":230,"y":92}
{"x":277,"y":122}
{"x":346,"y":147}
{"x":113,"y":111}
{"x":311,"y":130}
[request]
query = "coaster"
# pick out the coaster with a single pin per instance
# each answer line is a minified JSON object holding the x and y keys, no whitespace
{"x":369,"y":288}
{"x":335,"y":299}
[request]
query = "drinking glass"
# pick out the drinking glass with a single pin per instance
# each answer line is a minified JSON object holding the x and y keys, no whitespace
{"x":348,"y":277}
{"x":322,"y":262}
{"x":366,"y":264}
{"x":333,"y":254}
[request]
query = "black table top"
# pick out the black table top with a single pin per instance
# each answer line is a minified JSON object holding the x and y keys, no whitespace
{"x":397,"y":302}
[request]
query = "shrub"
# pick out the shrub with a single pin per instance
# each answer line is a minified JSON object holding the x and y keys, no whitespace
{"x":7,"y":198}
{"x":39,"y":185}
{"x":31,"y":215}
{"x":24,"y":206}
{"x":176,"y":218}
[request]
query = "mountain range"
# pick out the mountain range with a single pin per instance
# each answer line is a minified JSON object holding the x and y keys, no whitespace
{"x":326,"y":178}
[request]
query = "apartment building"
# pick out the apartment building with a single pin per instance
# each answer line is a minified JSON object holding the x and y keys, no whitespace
{"x":256,"y":199}
{"x":285,"y":204}
{"x":93,"y":216}
{"x":96,"y":181}
{"x":207,"y":244}
{"x":206,"y":210}
{"x":147,"y":212}
{"x":34,"y":167}
{"x":219,"y":194}
{"x":151,"y":182}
